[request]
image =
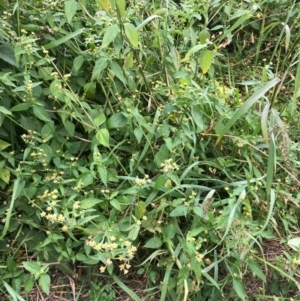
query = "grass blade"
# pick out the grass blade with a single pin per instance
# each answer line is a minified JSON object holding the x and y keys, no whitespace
{"x":62,"y":40}
{"x":264,"y":123}
{"x":126,"y":289}
{"x":246,"y":106}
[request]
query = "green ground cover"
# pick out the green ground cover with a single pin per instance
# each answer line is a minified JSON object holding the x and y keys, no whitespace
{"x":149,"y":150}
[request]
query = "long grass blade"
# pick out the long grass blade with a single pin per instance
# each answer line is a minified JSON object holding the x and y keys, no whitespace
{"x":247,"y":105}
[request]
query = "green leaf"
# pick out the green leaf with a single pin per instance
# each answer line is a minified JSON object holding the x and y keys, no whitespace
{"x":181,"y":210}
{"x":116,"y":121}
{"x":140,"y":209}
{"x":90,"y":89}
{"x":131,"y":34}
{"x":5,"y":111}
{"x":294,"y":243}
{"x":153,"y":243}
{"x":70,"y":10}
{"x":28,"y":284}
{"x":205,"y":60}
{"x":40,"y":113}
{"x":7,"y":54}
{"x":239,"y":289}
{"x":102,"y":137}
{"x":77,"y":63}
{"x":118,"y":72}
{"x":198,"y":211}
{"x":110,"y":34}
{"x":203,"y":36}
{"x":138,"y":133}
{"x":32,"y":267}
{"x":4,"y":175}
{"x":89,"y":203}
{"x":256,"y":269}
{"x":11,"y":264}
{"x":62,"y":40}
{"x":246,"y":106}
{"x":115,"y":203}
{"x":12,"y":292}
{"x":70,"y":127}
{"x":100,"y":119}
{"x":3,"y":145}
{"x":197,"y":114}
{"x":21,"y":107}
{"x":100,"y":65}
{"x":103,"y":174}
{"x":121,"y":5}
{"x":182,"y":275}
{"x":44,"y":283}
{"x":104,"y":4}
{"x":160,"y":182}
{"x":264,"y":123}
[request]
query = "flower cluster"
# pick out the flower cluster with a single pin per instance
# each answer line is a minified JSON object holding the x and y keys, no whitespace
{"x":141,"y":182}
{"x":169,"y":165}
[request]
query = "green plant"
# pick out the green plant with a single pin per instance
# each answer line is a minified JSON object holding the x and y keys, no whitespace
{"x":128,"y":144}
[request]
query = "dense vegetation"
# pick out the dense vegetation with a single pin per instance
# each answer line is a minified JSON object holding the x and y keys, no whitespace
{"x":149,"y":149}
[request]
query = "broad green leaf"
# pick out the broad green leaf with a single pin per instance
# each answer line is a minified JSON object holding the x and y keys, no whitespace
{"x":5,"y":111}
{"x":104,"y":4}
{"x":239,"y":289}
{"x":77,"y":63}
{"x":110,"y":34}
{"x":140,"y":209}
{"x":103,"y":137}
{"x":115,"y":203}
{"x":170,"y":231}
{"x":103,"y":174}
{"x":205,"y":60}
{"x":198,"y":211}
{"x":70,"y":127}
{"x":90,"y":89}
{"x":138,"y":133}
{"x":4,"y":175}
{"x":129,"y":61}
{"x":246,"y":106}
{"x":118,"y":72}
{"x":28,"y":284}
{"x":44,"y":283}
{"x":17,"y":284}
{"x":62,"y":40}
{"x":11,"y":264}
{"x":204,"y":35}
{"x":160,"y":182}
{"x":100,"y":119}
{"x":197,"y":115}
{"x":294,"y":243}
{"x":121,"y":5}
{"x":183,"y":275}
{"x":7,"y":54}
{"x":153,"y":243}
{"x":131,"y":34}
{"x":89,"y":203}
{"x":32,"y":267}
{"x":100,"y":65}
{"x":117,"y":120}
{"x":256,"y":269}
{"x":181,"y":210}
{"x":70,"y":9}
{"x":3,"y":145}
{"x":40,"y":113}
